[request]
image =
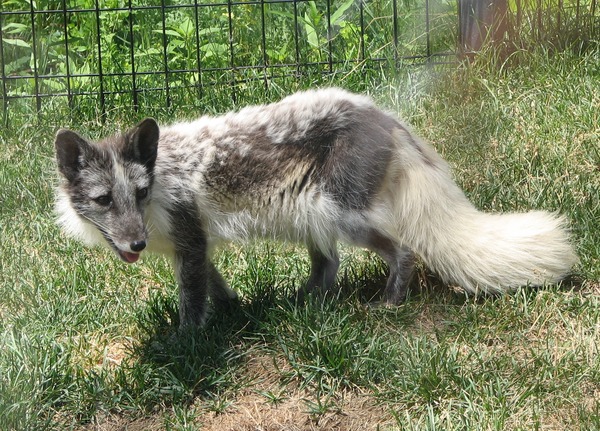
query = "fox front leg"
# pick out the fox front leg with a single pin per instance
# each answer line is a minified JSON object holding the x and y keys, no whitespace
{"x":192,"y":268}
{"x":191,"y":273}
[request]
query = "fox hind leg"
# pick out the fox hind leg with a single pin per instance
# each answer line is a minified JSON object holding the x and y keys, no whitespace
{"x":323,"y":271}
{"x":400,"y":260}
{"x":401,"y":264}
{"x":218,"y":289}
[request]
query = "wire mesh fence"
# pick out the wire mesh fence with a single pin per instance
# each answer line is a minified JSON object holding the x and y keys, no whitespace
{"x":140,"y":53}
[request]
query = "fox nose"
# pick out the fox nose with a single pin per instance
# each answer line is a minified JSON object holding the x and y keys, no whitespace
{"x":138,"y":245}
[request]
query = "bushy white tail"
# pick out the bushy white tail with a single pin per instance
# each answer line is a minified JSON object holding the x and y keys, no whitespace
{"x":477,"y":251}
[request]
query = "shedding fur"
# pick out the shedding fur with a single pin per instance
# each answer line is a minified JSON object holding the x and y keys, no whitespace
{"x":318,"y":167}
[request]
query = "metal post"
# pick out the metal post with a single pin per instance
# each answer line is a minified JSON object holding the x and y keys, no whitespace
{"x":38,"y":100}
{"x":100,"y":73}
{"x":134,"y":89}
{"x":165,"y":53}
{"x":3,"y":74}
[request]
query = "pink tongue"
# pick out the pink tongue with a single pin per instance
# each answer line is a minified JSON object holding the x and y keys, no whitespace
{"x":130,"y":257}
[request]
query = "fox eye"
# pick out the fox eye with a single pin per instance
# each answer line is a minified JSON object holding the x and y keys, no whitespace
{"x":141,"y":193}
{"x":104,"y":200}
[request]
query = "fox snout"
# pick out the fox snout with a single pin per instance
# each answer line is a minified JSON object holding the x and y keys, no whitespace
{"x":129,"y":239}
{"x":136,"y":248}
{"x":138,"y":245}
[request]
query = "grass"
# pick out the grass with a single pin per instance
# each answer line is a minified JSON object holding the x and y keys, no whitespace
{"x":89,"y":343}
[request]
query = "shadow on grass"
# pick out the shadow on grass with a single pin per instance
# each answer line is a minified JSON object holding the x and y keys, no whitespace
{"x":174,"y":366}
{"x":171,"y":366}
{"x":177,"y":366}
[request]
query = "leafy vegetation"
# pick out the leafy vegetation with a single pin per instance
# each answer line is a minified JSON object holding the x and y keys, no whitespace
{"x":139,"y":54}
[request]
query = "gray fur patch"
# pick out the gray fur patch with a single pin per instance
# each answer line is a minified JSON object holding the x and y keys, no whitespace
{"x":359,"y":158}
{"x":343,"y":151}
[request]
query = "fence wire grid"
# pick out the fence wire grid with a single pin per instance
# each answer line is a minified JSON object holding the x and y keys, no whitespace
{"x":139,"y":53}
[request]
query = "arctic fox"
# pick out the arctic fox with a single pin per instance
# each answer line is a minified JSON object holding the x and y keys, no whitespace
{"x":317,"y":167}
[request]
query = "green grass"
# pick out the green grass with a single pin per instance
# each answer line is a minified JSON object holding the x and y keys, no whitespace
{"x":87,"y":342}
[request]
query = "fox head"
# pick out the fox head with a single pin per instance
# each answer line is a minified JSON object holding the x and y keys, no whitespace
{"x":107,"y":185}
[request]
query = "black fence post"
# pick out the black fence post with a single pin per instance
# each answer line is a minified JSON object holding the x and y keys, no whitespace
{"x":34,"y":55}
{"x":100,"y":71}
{"x":3,"y":74}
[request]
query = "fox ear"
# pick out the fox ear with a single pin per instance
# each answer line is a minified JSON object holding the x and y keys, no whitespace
{"x":69,"y":149}
{"x":143,"y":142}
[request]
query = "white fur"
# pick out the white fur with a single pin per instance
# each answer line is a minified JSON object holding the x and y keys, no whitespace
{"x":477,"y":251}
{"x":74,"y":225}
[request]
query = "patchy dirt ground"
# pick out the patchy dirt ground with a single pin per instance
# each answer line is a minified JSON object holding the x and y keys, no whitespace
{"x":253,"y":409}
{"x":251,"y":413}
